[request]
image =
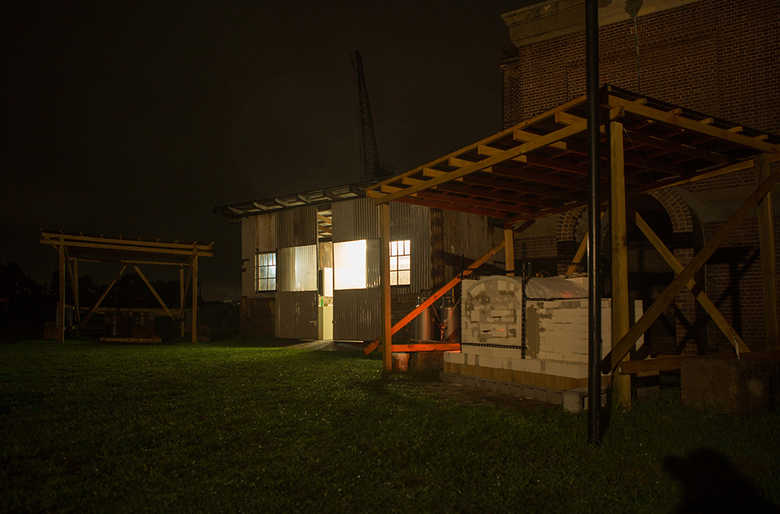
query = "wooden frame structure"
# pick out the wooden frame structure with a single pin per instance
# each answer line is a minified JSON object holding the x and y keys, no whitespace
{"x":539,"y":167}
{"x":75,"y":248}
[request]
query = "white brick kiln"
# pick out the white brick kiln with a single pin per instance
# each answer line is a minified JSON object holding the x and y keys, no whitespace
{"x":556,"y":354}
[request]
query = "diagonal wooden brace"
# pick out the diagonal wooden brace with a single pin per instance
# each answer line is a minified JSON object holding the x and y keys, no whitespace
{"x":701,"y":297}
{"x":441,"y":292}
{"x":625,"y":344}
{"x":149,"y":285}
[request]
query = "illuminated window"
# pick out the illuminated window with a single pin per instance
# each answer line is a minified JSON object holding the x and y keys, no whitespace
{"x":349,"y":265}
{"x":297,"y":268}
{"x":265,"y":271}
{"x":400,"y":263}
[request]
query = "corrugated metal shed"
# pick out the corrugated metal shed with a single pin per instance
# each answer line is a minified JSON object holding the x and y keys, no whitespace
{"x":357,"y":314}
{"x":413,"y":222}
{"x":296,"y":227}
{"x":296,"y":314}
{"x":355,"y":219}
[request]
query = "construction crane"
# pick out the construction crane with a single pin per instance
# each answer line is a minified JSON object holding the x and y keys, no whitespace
{"x":369,"y":153}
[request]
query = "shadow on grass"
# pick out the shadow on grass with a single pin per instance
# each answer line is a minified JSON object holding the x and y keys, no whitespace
{"x":710,"y":483}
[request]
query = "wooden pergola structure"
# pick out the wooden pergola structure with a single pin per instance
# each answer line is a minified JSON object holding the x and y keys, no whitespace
{"x":540,"y":167}
{"x":74,"y":248}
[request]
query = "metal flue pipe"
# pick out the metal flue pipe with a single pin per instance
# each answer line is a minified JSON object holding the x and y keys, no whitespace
{"x":594,"y":221}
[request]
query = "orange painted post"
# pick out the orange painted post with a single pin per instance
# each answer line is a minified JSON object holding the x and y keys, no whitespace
{"x":384,"y":245}
{"x":441,"y":292}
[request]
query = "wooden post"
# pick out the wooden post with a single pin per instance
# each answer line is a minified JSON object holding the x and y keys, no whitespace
{"x":181,"y":298}
{"x":659,"y":305}
{"x":697,"y":290}
{"x":617,"y":219}
{"x":195,"y":299}
{"x":384,"y":245}
{"x":766,"y":239}
{"x":61,"y":303}
{"x":509,"y":250}
{"x":76,"y":302}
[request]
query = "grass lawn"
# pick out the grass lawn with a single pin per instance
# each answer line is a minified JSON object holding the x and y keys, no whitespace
{"x":87,"y":426}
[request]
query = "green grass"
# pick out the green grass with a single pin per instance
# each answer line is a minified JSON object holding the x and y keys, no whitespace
{"x":87,"y":426}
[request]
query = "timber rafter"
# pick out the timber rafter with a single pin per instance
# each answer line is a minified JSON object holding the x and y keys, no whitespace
{"x":538,"y":167}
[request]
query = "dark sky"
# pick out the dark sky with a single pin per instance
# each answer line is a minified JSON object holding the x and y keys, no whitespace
{"x":136,"y":118}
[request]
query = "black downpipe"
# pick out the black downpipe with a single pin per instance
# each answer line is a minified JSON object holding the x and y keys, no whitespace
{"x":594,"y":221}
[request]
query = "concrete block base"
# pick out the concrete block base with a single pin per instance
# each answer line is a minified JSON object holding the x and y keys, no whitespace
{"x":734,"y":386}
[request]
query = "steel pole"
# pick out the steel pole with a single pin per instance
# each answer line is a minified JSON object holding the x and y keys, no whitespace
{"x":594,"y":221}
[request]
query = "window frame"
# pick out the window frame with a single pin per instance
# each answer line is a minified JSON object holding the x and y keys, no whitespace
{"x":268,"y":266}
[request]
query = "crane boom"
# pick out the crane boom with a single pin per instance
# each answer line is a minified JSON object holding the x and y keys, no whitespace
{"x":369,"y":153}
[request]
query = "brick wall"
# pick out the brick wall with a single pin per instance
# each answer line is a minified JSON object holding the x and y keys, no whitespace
{"x":733,"y":282}
{"x":719,"y":57}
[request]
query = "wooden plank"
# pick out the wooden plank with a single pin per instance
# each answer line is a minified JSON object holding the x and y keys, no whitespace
{"x":444,"y":290}
{"x":701,"y":297}
{"x":490,"y":161}
{"x":72,"y":240}
{"x":128,"y":248}
{"x":580,"y":253}
{"x":509,"y":251}
{"x":384,"y":262}
{"x":617,"y":219}
{"x":149,"y":285}
{"x":660,"y":364}
{"x":131,"y":340}
{"x":626,"y":343}
{"x":424,"y":347}
{"x":488,"y":140}
{"x":692,"y":125}
{"x":766,"y":239}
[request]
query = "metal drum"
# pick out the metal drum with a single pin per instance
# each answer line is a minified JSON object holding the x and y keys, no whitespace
{"x":425,"y":326}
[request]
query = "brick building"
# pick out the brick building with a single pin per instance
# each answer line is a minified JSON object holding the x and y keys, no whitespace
{"x":719,"y":57}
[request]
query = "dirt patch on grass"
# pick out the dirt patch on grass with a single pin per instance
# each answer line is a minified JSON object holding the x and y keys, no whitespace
{"x":465,"y":395}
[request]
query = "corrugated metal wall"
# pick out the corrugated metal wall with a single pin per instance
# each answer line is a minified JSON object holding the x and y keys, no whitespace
{"x":296,"y":314}
{"x":296,"y":268}
{"x":413,"y":222}
{"x":357,"y":314}
{"x":355,"y":219}
{"x":296,"y":227}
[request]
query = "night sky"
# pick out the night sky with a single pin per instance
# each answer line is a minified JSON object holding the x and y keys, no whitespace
{"x":136,"y":118}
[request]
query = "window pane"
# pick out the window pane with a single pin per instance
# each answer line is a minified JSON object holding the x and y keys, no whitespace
{"x":393,"y":247}
{"x":404,"y":262}
{"x":393,"y":263}
{"x":408,"y":247}
{"x":272,"y":284}
{"x":393,"y":278}
{"x":404,"y":278}
{"x":349,"y":263}
{"x":262,"y":272}
{"x":272,"y":271}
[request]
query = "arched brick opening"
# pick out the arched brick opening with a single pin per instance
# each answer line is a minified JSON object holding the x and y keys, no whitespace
{"x":690,"y":320}
{"x":678,"y":210}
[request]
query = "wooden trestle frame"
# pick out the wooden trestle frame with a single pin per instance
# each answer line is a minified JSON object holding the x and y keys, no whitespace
{"x":75,"y":248}
{"x":539,"y":167}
